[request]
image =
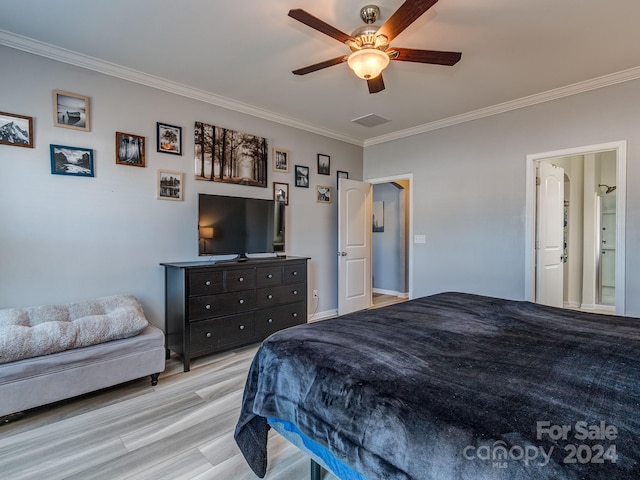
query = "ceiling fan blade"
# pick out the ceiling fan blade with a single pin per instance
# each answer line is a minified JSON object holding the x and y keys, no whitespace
{"x":375,"y":84}
{"x":319,"y":25}
{"x":408,"y":13}
{"x":427,"y":56}
{"x":320,"y":66}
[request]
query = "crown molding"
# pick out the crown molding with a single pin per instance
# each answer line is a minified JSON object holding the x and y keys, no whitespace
{"x":36,"y":47}
{"x":59,"y":54}
{"x":576,"y":88}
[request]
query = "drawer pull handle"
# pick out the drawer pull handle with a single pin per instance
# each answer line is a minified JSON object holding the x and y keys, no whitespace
{"x":269,"y":296}
{"x":241,"y":327}
{"x":208,"y":334}
{"x":294,"y":273}
{"x":270,"y":320}
{"x":269,"y":276}
{"x":241,"y":302}
{"x":207,"y":283}
{"x":294,"y":314}
{"x":208,"y":307}
{"x":241,"y":279}
{"x":295,"y":292}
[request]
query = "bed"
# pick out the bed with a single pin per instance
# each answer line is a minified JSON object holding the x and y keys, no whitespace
{"x":452,"y":386}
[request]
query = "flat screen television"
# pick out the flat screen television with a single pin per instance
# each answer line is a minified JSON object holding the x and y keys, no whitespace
{"x":240,"y":226}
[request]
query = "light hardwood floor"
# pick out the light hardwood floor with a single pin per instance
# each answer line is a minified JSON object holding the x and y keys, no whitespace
{"x":180,"y":429}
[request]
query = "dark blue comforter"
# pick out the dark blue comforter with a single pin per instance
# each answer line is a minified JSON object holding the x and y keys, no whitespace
{"x":456,"y":386}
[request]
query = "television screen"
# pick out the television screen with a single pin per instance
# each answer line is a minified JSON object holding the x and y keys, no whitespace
{"x":236,"y":225}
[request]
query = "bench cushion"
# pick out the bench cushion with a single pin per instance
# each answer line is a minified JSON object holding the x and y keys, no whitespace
{"x":34,"y":331}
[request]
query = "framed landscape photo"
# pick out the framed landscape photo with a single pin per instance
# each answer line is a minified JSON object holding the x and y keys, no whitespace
{"x":324,"y":164}
{"x":323,"y":194}
{"x":280,"y":160}
{"x":16,"y":130}
{"x":70,"y":110}
{"x":281,"y":192}
{"x":302,"y":176}
{"x":169,"y":138}
{"x":71,"y":161}
{"x":129,"y":149}
{"x":170,"y":185}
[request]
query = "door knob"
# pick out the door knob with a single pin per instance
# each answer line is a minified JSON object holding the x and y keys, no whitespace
{"x":342,"y":254}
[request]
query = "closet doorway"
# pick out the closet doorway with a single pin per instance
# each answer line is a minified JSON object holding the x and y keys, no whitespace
{"x":592,"y":243}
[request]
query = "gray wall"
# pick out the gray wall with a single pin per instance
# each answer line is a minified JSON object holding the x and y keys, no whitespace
{"x":469,"y":188}
{"x":65,"y":238}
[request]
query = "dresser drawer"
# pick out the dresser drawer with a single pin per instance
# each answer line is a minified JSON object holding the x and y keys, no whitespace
{"x":222,"y":304}
{"x":210,"y":335}
{"x":271,"y":320}
{"x":205,"y":282}
{"x":295,"y":273}
{"x":267,"y":276}
{"x":237,"y":279}
{"x":271,"y":296}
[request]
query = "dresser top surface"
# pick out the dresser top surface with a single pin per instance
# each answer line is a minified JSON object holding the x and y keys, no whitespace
{"x":248,"y":262}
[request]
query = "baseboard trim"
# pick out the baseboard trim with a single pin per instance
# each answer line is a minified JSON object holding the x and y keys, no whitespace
{"x":393,"y":293}
{"x":319,"y":316}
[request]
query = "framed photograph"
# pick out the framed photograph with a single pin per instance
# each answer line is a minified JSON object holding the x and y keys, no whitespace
{"x":281,"y":192}
{"x":216,"y":161}
{"x":169,"y":138}
{"x":16,"y":130}
{"x":129,"y":149}
{"x":323,"y":194}
{"x":302,"y":176}
{"x":378,"y":216}
{"x":170,"y":186}
{"x":340,"y":174}
{"x":324,"y":164}
{"x":71,"y":161}
{"x":280,"y":160}
{"x":70,"y":110}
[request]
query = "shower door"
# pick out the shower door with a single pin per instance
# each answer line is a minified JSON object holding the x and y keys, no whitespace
{"x":606,"y":262}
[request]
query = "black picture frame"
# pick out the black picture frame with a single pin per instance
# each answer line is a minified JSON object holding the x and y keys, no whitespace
{"x":281,"y":192}
{"x":324,"y":164}
{"x":301,"y":173}
{"x":168,"y":138}
{"x":76,"y":161}
{"x":340,"y":174}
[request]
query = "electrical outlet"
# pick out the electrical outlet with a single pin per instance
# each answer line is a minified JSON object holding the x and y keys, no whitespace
{"x":315,"y":294}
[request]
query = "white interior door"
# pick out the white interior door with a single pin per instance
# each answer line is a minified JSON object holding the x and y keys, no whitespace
{"x":354,"y":246}
{"x":550,"y":235}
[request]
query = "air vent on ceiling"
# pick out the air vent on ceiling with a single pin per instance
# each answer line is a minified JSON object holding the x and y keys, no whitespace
{"x":371,"y":120}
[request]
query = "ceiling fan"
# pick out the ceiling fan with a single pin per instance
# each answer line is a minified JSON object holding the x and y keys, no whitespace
{"x":369,"y":44}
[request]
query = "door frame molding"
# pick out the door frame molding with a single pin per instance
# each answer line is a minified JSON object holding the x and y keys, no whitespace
{"x":409,"y":178}
{"x":620,"y":147}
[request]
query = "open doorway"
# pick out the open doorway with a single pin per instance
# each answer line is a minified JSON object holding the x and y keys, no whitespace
{"x":390,"y":266}
{"x":591,"y":263}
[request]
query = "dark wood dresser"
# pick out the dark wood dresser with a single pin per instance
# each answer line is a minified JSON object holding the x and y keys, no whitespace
{"x":215,"y":306}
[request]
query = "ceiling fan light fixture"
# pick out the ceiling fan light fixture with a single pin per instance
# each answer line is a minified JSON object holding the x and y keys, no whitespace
{"x":368,"y":63}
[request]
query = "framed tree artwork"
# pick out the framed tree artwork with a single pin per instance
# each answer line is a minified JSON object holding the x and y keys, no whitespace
{"x":169,"y":138}
{"x":280,"y":160}
{"x":324,"y":164}
{"x":130,"y":149}
{"x":223,"y":155}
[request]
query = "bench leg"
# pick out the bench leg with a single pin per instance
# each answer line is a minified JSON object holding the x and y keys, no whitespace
{"x":316,"y":470}
{"x":154,"y":379}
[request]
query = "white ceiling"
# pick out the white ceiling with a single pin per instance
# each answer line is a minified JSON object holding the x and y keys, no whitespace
{"x":240,"y":53}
